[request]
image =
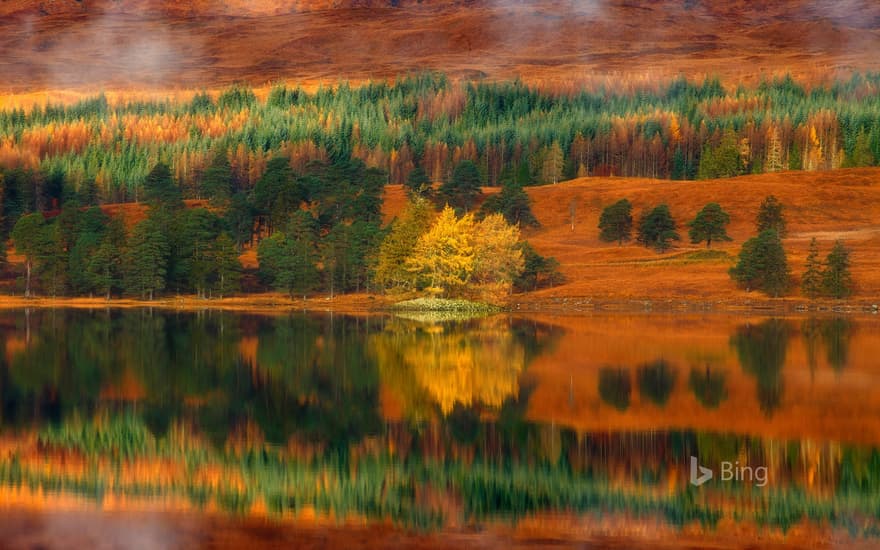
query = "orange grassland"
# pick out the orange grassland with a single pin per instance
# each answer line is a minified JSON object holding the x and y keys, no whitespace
{"x":841,"y":204}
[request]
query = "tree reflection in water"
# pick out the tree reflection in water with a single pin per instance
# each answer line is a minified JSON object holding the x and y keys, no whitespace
{"x":615,"y":387}
{"x":761,"y":351}
{"x":284,"y":414}
{"x":708,"y":385}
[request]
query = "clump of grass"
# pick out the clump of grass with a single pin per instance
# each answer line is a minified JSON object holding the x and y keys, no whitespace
{"x":444,"y":305}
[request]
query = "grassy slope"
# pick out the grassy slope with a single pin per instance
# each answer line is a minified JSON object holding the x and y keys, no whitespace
{"x":842,"y":204}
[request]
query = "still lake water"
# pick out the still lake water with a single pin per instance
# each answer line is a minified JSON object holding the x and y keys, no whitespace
{"x":439,"y":427}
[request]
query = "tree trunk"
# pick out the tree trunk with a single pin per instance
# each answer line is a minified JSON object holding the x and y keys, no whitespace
{"x":27,"y":281}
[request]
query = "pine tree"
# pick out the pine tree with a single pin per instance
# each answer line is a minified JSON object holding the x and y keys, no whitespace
{"x":538,"y":271}
{"x":226,"y":265}
{"x":217,"y":182}
{"x":513,"y":203}
{"x":147,"y":260}
{"x":239,"y":219}
{"x":288,"y":259}
{"x":160,"y":189}
{"x":837,"y":280}
{"x":417,"y":183}
{"x":709,"y":225}
{"x":104,"y":267}
{"x":770,"y":216}
{"x":31,"y":241}
{"x":657,"y":228}
{"x":811,"y":282}
{"x":615,"y":223}
{"x":462,"y":190}
{"x":276,"y":194}
{"x":763,"y":265}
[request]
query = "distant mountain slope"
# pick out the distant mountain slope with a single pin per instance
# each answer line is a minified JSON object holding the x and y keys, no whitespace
{"x":163,"y":43}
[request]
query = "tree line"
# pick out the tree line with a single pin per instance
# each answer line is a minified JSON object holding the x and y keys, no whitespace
{"x":315,"y":230}
{"x":762,"y":263}
{"x":512,"y":132}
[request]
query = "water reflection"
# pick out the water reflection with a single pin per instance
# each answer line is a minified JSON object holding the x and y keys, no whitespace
{"x":455,"y":364}
{"x":425,"y":423}
{"x":615,"y":387}
{"x":656,"y":380}
{"x":761,"y":350}
{"x":708,"y":386}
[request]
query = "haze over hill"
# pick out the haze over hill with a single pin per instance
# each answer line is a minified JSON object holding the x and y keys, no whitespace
{"x":162,"y":44}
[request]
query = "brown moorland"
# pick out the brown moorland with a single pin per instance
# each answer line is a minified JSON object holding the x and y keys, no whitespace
{"x":160,"y":44}
{"x":840,"y":204}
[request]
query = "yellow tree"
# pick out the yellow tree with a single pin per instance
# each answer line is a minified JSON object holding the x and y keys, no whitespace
{"x":443,"y":258}
{"x":497,"y":258}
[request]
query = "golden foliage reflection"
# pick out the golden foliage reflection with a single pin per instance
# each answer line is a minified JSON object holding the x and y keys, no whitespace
{"x":449,"y":364}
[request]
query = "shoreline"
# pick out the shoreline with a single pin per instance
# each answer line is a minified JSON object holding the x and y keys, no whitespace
{"x":269,"y":303}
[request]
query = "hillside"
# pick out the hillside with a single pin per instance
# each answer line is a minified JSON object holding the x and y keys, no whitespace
{"x":841,"y":204}
{"x":160,"y":44}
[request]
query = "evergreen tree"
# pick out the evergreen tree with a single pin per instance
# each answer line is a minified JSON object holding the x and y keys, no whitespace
{"x":32,"y":242}
{"x":463,"y":189}
{"x":217,"y":182}
{"x":538,"y":271}
{"x":615,"y":223}
{"x":226,"y":265}
{"x":770,"y":216}
{"x":200,"y":229}
{"x":288,"y":258}
{"x":276,"y":193}
{"x":722,"y":161}
{"x":346,"y":252}
{"x":160,"y":189}
{"x":54,"y":269}
{"x":657,"y":228}
{"x":762,"y":265}
{"x":417,"y":182}
{"x":679,"y":168}
{"x":85,"y":231}
{"x":239,"y":219}
{"x":837,"y":280}
{"x":513,"y":203}
{"x":709,"y":225}
{"x":146,"y":260}
{"x":811,"y":282}
{"x":103,"y":268}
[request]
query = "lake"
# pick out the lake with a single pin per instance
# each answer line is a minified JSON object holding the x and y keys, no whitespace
{"x":173,"y":427}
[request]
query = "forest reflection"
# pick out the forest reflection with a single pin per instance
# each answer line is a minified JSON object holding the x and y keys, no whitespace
{"x":371,"y":415}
